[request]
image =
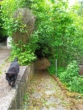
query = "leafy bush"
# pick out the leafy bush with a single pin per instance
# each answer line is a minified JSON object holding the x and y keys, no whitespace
{"x":57,"y":29}
{"x":52,"y":68}
{"x":24,"y":54}
{"x":7,"y":8}
{"x":76,"y":84}
{"x":71,"y":71}
{"x":71,"y":78}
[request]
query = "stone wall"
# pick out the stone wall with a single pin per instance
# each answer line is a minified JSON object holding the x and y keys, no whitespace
{"x":14,"y":99}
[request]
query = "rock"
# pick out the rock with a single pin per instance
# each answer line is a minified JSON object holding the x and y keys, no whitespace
{"x":26,"y":20}
{"x":37,"y":95}
{"x":53,"y":100}
{"x":49,"y":92}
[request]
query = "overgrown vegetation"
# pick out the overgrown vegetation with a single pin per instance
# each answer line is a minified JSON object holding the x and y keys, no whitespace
{"x":71,"y":78}
{"x":58,"y":35}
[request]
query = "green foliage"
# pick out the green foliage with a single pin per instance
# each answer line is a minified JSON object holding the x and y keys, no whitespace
{"x":18,"y":25}
{"x":76,"y":84}
{"x":71,"y":71}
{"x":2,"y":31}
{"x":25,"y":97}
{"x":52,"y":68}
{"x":57,"y":30}
{"x":25,"y":100}
{"x":8,"y":8}
{"x":71,"y":78}
{"x":24,"y":53}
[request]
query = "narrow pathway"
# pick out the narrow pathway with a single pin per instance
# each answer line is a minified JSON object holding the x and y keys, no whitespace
{"x":44,"y":94}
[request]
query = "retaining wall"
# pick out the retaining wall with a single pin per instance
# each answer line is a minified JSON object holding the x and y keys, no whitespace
{"x":14,"y":99}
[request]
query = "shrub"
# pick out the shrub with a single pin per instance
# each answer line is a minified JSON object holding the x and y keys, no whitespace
{"x":71,"y":78}
{"x":71,"y":71}
{"x":76,"y":84}
{"x":24,"y":54}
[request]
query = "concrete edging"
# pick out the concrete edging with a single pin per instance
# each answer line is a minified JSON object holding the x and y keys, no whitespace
{"x":14,"y":98}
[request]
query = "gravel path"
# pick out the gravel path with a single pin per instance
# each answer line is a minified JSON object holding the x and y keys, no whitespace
{"x":44,"y":94}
